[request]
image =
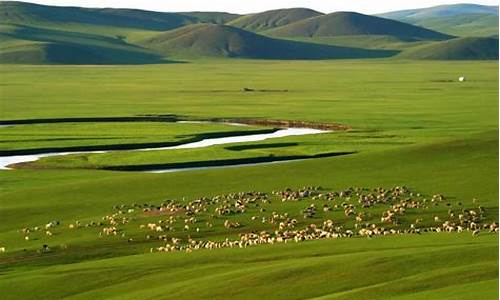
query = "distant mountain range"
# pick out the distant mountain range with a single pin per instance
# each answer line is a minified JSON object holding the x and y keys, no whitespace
{"x":458,"y":19}
{"x":40,"y":34}
{"x":441,"y":11}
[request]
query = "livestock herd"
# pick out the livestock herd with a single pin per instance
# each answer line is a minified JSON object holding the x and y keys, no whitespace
{"x":239,"y":220}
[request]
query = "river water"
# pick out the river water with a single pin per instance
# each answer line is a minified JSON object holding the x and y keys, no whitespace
{"x":5,"y":161}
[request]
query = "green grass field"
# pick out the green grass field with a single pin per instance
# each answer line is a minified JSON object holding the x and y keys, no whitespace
{"x":390,"y":268}
{"x":412,"y":123}
{"x":33,"y":136}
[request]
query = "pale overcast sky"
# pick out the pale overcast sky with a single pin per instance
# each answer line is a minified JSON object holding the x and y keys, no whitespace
{"x":249,"y":6}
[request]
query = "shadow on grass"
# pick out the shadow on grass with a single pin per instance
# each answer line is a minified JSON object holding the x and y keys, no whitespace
{"x":260,"y":146}
{"x":136,"y":146}
{"x":145,"y":118}
{"x":222,"y":163}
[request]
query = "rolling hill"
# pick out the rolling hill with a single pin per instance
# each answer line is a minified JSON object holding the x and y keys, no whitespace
{"x":226,"y":41}
{"x":458,"y":20}
{"x":32,"y":45}
{"x":484,"y":25}
{"x":13,"y":12}
{"x":350,"y":23}
{"x":456,"y":49}
{"x":441,"y":11}
{"x":41,"y":34}
{"x":273,"y":18}
{"x":70,"y":53}
{"x":211,"y":16}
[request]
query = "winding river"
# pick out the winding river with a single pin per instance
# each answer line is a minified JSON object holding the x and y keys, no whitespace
{"x":5,"y":161}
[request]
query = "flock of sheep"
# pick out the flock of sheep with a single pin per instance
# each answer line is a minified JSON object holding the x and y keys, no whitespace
{"x":253,"y":218}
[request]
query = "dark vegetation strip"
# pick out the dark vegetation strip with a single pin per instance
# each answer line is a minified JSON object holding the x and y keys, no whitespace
{"x":263,"y":91}
{"x":221,"y":163}
{"x":153,"y":118}
{"x":112,"y":147}
{"x":260,"y":146}
{"x":175,"y":118}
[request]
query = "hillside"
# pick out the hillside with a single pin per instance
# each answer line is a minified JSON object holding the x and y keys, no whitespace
{"x":211,"y":16}
{"x":30,"y":45}
{"x":273,"y":18}
{"x":350,"y":23}
{"x":441,"y":11}
{"x":41,"y":34}
{"x":12,"y":12}
{"x":458,"y":20}
{"x":456,"y":49}
{"x":226,"y":41}
{"x":62,"y":53}
{"x":485,"y":25}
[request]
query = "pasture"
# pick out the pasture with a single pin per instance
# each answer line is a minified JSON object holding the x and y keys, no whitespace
{"x":411,"y":123}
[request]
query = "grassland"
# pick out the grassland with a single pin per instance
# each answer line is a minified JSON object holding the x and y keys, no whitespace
{"x":64,"y":135}
{"x":243,"y":274}
{"x":350,"y":23}
{"x":272,"y":18}
{"x":463,"y":25}
{"x":456,"y":19}
{"x":456,"y":49}
{"x":412,"y":124}
{"x":38,"y":34}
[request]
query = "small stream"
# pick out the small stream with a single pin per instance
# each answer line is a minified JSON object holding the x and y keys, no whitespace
{"x":5,"y":161}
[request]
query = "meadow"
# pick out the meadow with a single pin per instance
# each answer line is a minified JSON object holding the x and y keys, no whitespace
{"x":411,"y":123}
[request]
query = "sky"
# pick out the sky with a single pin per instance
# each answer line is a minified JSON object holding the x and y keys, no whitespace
{"x":251,"y":6}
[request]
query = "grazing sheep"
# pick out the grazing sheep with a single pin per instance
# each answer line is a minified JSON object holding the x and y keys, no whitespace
{"x":493,"y":227}
{"x":229,"y":224}
{"x":390,"y":205}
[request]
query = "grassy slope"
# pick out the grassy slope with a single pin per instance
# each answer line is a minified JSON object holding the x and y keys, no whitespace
{"x":418,"y":264}
{"x":374,"y":42}
{"x":456,"y":19}
{"x":273,"y":18}
{"x":456,"y":49}
{"x":202,"y":40}
{"x":461,"y":25}
{"x":86,"y":134}
{"x":317,"y":97}
{"x":465,"y":48}
{"x":53,"y":16}
{"x":442,"y":11}
{"x":77,"y":54}
{"x":46,"y":34}
{"x":463,"y":110}
{"x":349,"y":23}
{"x":38,"y":34}
{"x":462,"y":174}
{"x":25,"y":44}
{"x":72,"y":35}
{"x":211,"y":17}
{"x":452,"y":127}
